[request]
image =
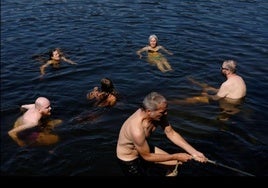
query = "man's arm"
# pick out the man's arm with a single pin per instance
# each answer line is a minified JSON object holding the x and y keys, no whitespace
{"x":213,"y":97}
{"x":177,"y":139}
{"x":27,"y":106}
{"x":205,"y":87}
{"x":13,"y":132}
{"x":220,"y":93}
{"x":142,"y":147}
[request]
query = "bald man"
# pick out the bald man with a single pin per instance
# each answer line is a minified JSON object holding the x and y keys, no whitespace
{"x":31,"y":120}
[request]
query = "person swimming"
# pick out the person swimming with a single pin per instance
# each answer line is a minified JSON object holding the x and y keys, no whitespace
{"x":55,"y":57}
{"x":105,"y":97}
{"x":230,"y":95}
{"x":154,"y":56}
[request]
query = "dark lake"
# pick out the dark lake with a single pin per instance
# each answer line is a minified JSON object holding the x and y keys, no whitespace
{"x":102,"y":37}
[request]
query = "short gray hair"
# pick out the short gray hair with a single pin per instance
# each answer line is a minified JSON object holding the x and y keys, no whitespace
{"x":153,"y":100}
{"x":230,"y":64}
{"x":153,"y":36}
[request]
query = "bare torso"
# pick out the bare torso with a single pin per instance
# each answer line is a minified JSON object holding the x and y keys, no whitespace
{"x":234,"y":88}
{"x":135,"y":124}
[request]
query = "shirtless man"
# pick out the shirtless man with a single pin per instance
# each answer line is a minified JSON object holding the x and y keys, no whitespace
{"x":230,"y":95}
{"x":31,"y":119}
{"x":233,"y":88}
{"x":132,"y":147}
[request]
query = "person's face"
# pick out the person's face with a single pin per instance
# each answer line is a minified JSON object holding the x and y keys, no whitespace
{"x":153,"y":42}
{"x":46,"y":109}
{"x":56,"y":55}
{"x":161,"y":111}
{"x":224,"y":69}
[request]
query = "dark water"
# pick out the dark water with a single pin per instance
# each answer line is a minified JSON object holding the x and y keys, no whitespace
{"x":102,"y":37}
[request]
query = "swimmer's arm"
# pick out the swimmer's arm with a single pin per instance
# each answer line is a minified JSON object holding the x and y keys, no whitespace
{"x":222,"y":92}
{"x":111,"y":100}
{"x":13,"y":133}
{"x":141,"y":50}
{"x":42,"y":68}
{"x":68,"y":60}
{"x":165,"y":50}
{"x":214,"y":97}
{"x":93,"y":94}
{"x":205,"y":87}
{"x":210,"y":89}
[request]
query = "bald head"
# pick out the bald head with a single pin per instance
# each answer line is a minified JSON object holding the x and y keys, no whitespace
{"x":41,"y":102}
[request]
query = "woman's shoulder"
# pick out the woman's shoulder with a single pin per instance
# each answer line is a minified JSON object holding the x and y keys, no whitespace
{"x":52,"y":62}
{"x":112,"y":96}
{"x":94,"y":93}
{"x":111,"y":100}
{"x":147,"y":47}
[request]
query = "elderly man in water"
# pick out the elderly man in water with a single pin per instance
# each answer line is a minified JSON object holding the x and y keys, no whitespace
{"x":30,"y":127}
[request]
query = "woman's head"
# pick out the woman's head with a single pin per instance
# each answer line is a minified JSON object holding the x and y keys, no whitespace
{"x":153,"y":40}
{"x":107,"y":85}
{"x":55,"y":54}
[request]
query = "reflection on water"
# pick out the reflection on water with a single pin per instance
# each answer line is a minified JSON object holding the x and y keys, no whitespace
{"x":89,"y":116}
{"x":102,"y":38}
{"x":229,"y":107}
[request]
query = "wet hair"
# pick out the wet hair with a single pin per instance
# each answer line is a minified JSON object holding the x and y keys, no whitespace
{"x":153,"y":36}
{"x":44,"y":57}
{"x":230,"y":64}
{"x":107,"y":86}
{"x":53,"y":50}
{"x":152,"y":101}
{"x":50,"y":54}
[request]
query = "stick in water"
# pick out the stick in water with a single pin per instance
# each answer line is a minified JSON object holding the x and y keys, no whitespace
{"x":231,"y":168}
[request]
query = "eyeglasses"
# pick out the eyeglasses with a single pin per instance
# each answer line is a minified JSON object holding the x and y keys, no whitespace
{"x":222,"y":68}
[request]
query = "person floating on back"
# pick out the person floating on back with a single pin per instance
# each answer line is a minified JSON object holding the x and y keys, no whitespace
{"x":154,"y":56}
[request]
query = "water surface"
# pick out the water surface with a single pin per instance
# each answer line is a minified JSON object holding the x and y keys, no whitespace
{"x":102,"y":37}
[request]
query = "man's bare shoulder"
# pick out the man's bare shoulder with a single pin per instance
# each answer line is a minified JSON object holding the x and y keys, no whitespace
{"x":27,"y":106}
